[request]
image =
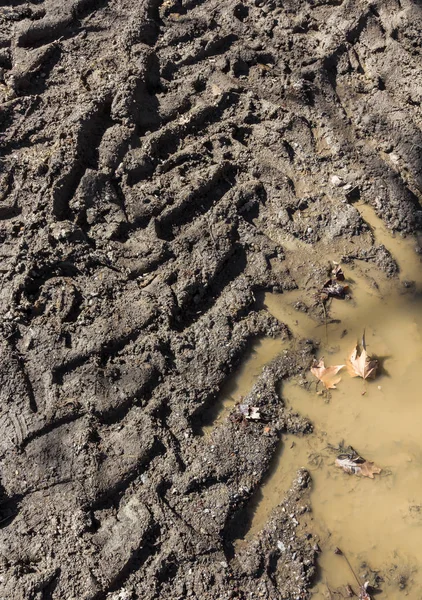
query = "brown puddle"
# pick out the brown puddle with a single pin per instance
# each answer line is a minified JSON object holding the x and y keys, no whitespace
{"x":241,"y":381}
{"x":377,"y":522}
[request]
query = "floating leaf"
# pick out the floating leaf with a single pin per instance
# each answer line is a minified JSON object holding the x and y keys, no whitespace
{"x":328,"y":375}
{"x":360,"y":364}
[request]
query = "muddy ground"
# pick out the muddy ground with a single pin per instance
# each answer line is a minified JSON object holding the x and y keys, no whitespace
{"x":157,"y":159}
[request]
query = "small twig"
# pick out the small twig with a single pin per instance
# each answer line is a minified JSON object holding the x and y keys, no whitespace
{"x":325,"y":322}
{"x":338,"y":551}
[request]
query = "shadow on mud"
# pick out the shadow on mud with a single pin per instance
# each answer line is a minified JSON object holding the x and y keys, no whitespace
{"x":9,"y":507}
{"x":238,"y":526}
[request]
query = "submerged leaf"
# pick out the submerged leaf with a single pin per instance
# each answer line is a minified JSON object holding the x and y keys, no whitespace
{"x":326,"y":374}
{"x":369,"y":469}
{"x":357,"y":466}
{"x":363,"y":594}
{"x":360,"y":364}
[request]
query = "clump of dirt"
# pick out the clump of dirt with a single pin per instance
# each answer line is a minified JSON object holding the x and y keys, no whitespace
{"x":162,"y":163}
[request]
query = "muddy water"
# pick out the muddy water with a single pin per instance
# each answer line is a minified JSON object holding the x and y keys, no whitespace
{"x":377,"y":522}
{"x":259,"y":353}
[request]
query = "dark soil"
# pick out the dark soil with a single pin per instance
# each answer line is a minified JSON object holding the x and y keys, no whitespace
{"x":154,"y":157}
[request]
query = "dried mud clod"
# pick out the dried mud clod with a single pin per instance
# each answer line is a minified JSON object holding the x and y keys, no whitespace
{"x":159,"y":162}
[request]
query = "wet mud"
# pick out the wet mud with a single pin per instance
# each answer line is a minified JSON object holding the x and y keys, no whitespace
{"x":166,"y":167}
{"x":375,"y":523}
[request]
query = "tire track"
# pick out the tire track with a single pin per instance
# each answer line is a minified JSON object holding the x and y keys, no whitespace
{"x":158,"y":159}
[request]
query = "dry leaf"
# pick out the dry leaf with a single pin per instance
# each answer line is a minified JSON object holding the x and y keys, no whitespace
{"x":326,"y":374}
{"x":337,"y":271}
{"x":360,"y":364}
{"x":357,"y":466}
{"x":252,"y":413}
{"x":265,"y":67}
{"x":334,"y":289}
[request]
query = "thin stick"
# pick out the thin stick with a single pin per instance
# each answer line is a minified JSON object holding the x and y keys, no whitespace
{"x":351,"y":568}
{"x":325,"y":322}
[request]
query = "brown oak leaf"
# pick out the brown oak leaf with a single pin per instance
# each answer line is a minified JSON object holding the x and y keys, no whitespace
{"x":328,"y":375}
{"x":357,"y":466}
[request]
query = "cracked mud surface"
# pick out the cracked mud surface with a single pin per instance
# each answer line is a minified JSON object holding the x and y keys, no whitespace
{"x":161,"y":164}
